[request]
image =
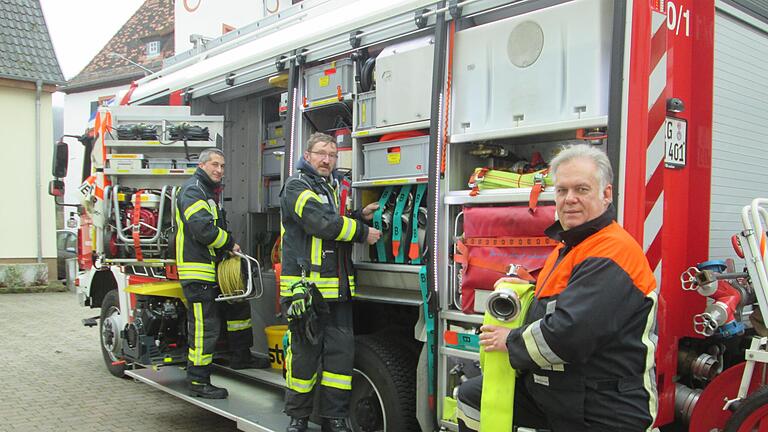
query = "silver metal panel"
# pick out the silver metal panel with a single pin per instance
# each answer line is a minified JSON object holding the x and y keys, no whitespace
{"x":404,"y":82}
{"x":254,"y":406}
{"x":541,"y":68}
{"x":739,"y":129}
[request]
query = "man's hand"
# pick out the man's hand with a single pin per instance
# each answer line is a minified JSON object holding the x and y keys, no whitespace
{"x":369,"y":210}
{"x":373,"y":235}
{"x":235,"y":248}
{"x":494,"y":338}
{"x":300,"y":301}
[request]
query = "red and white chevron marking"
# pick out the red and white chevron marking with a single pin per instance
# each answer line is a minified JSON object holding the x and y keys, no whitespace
{"x":654,"y":158}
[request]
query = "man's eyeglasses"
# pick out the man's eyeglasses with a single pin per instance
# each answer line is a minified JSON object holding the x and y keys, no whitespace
{"x":323,"y":155}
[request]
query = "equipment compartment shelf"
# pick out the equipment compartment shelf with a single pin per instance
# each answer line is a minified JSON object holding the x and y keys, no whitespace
{"x":518,"y":131}
{"x":390,"y":182}
{"x":157,"y":144}
{"x":496,"y":196}
{"x":151,"y":172}
{"x":424,"y":124}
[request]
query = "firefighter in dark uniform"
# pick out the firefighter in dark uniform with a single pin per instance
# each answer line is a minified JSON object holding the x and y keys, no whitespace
{"x":585,"y":354}
{"x":317,"y":242}
{"x":201,"y":240}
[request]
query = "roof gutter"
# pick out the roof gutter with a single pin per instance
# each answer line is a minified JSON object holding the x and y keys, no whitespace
{"x":38,"y":183}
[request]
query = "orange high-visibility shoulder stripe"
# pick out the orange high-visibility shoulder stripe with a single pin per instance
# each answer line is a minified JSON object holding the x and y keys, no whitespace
{"x":613,"y":243}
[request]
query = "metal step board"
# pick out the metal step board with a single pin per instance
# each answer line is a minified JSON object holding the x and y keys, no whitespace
{"x":253,"y":406}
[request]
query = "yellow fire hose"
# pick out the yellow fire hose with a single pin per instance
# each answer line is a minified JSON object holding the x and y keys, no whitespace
{"x":510,"y":302}
{"x":230,"y":276}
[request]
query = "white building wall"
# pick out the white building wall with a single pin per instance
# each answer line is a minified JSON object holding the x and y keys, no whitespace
{"x":739,"y":123}
{"x":19,"y":211}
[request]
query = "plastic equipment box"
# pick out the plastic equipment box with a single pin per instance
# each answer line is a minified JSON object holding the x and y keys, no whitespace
{"x":270,"y":162}
{"x":322,"y":82}
{"x":396,"y":159}
{"x":365,"y":110}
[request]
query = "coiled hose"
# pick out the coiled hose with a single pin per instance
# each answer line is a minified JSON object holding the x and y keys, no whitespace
{"x":231,"y":276}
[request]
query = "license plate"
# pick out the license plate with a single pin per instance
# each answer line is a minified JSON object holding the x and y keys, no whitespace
{"x":675,"y":139}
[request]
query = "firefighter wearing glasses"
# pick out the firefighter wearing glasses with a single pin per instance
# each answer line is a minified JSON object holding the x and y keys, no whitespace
{"x":201,"y":239}
{"x":316,"y":256}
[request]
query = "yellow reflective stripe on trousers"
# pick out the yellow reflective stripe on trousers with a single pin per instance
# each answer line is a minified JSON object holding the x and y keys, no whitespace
{"x":196,"y":207}
{"x":221,"y":239}
{"x":341,"y":382}
{"x":195,"y":355}
{"x":237,"y":325}
{"x":316,"y":257}
{"x":302,"y":201}
{"x":296,"y":384}
{"x":347,"y":229}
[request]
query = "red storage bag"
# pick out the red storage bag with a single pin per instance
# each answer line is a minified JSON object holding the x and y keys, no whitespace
{"x":496,"y":237}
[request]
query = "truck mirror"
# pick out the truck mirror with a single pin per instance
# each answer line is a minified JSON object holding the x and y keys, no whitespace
{"x":60,"y":160}
{"x":56,"y":188}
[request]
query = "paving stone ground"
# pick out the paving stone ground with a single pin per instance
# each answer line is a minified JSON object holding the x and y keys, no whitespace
{"x":53,"y":378}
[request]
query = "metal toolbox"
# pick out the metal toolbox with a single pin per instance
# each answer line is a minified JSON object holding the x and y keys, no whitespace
{"x":272,"y":189}
{"x":125,"y":161}
{"x":404,"y":82}
{"x":395,"y":159}
{"x":365,"y":110}
{"x":271,"y":162}
{"x":274,"y":130}
{"x":541,"y":68}
{"x":321,"y":83}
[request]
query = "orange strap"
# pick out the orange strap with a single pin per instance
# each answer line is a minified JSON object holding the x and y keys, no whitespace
{"x":448,"y":84}
{"x":533,"y":199}
{"x":137,"y":227}
{"x":509,"y":241}
{"x":519,"y":271}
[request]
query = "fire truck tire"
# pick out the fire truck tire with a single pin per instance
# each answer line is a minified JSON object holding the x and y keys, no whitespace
{"x":383,"y":386}
{"x":752,"y":413}
{"x":109,"y":334}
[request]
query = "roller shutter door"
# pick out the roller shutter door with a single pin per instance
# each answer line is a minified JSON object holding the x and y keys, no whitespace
{"x":740,"y":123}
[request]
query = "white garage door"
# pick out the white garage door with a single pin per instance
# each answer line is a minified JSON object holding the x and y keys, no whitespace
{"x":740,"y":123}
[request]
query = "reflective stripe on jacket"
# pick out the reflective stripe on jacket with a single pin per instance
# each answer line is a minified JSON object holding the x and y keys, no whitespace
{"x":201,"y":232}
{"x":589,"y":339}
{"x":317,"y":239}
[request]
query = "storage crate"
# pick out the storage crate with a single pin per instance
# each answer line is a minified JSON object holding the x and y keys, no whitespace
{"x":274,"y":130}
{"x":124,"y":161}
{"x":365,"y":110}
{"x":276,"y":142}
{"x":272,"y":189}
{"x":395,"y":159}
{"x":270,"y":162}
{"x":321,"y":82}
{"x":161,"y":163}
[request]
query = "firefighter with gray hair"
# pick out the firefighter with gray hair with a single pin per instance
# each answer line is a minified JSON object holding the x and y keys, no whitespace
{"x":202,"y":240}
{"x":584,"y":355}
{"x":317,"y":285}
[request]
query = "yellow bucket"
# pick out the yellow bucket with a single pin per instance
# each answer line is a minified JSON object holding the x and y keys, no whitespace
{"x":275,"y":345}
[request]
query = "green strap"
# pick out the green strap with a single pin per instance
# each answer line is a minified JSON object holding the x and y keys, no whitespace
{"x":429,"y":325}
{"x":414,"y":252}
{"x":498,"y":400}
{"x":381,"y":252}
{"x":398,"y":249}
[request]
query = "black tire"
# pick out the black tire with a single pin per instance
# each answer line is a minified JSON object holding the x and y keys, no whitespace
{"x":750,"y":412}
{"x":383,"y":387}
{"x":109,"y":335}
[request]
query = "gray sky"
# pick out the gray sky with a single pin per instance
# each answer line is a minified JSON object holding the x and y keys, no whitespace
{"x":80,"y":28}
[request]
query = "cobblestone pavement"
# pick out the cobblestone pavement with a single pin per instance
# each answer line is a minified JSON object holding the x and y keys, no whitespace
{"x":53,"y":377}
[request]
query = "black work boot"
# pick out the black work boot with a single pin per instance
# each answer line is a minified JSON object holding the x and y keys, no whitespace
{"x":335,"y":425}
{"x":242,"y":359}
{"x":207,"y":390}
{"x":298,"y":424}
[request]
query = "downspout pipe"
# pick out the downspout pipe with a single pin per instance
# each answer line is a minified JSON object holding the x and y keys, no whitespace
{"x":38,"y":184}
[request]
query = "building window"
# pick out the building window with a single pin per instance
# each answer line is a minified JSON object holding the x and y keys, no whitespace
{"x":153,"y":49}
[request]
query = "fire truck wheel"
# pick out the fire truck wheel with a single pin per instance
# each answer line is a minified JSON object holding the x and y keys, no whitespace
{"x":109,"y":334}
{"x":752,"y":413}
{"x":383,"y":386}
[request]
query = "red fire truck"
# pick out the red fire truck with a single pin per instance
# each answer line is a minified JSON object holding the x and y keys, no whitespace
{"x":429,"y":101}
